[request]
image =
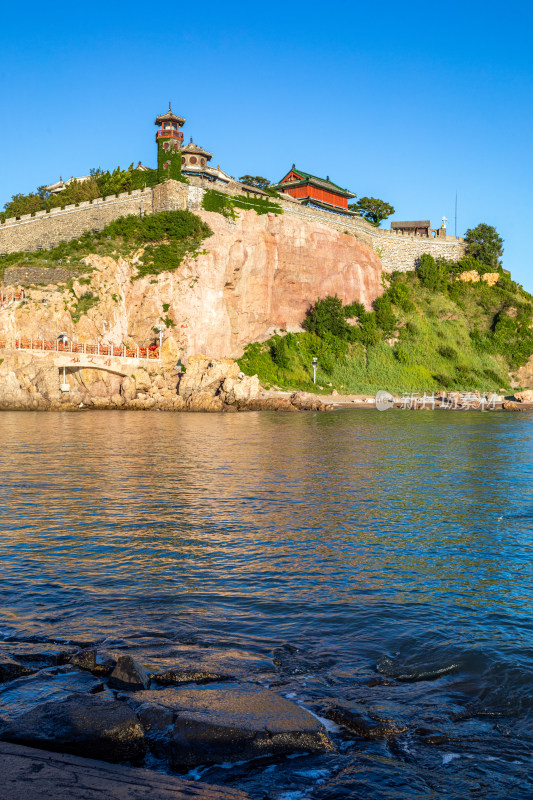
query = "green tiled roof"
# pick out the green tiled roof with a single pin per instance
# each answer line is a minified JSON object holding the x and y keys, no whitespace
{"x":322,"y":183}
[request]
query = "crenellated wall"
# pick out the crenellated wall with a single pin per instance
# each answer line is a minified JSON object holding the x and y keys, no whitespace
{"x":46,"y":229}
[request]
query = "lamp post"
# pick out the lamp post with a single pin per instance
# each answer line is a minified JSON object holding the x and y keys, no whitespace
{"x":314,"y":362}
{"x":159,"y":329}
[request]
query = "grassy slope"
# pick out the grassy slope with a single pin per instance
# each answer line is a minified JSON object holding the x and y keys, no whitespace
{"x":167,"y":238}
{"x":447,"y":338}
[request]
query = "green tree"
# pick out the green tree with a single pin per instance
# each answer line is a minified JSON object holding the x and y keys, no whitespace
{"x":484,"y":244}
{"x":385,"y":318}
{"x":430,"y":273}
{"x":372,"y":209}
{"x":327,"y":315}
{"x":255,"y":180}
{"x":23,"y":204}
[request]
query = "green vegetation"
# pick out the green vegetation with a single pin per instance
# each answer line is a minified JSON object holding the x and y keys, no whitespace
{"x":484,"y":245}
{"x":255,"y":180}
{"x":166,"y":238}
{"x":99,"y":184}
{"x":226,"y":204}
{"x":169,"y":161}
{"x":84,"y":303}
{"x":372,"y":209}
{"x":259,"y":183}
{"x":428,"y":331}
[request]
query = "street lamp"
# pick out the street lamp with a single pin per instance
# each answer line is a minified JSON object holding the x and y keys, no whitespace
{"x":159,"y":329}
{"x":314,"y":362}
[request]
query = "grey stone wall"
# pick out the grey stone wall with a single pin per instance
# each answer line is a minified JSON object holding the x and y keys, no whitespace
{"x":27,"y":276}
{"x":48,"y":228}
{"x":45,"y":229}
{"x":396,"y":251}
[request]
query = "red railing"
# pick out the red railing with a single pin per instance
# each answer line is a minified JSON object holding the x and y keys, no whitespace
{"x":151,"y":352}
{"x":7,"y":299}
{"x":169,"y":133}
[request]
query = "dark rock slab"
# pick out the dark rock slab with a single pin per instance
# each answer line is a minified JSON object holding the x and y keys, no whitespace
{"x":204,"y":726}
{"x":88,"y":725}
{"x":129,"y":674}
{"x":93,"y":660}
{"x":11,"y":669}
{"x":364,"y":725}
{"x":29,"y":774}
{"x":25,"y":693}
{"x":177,"y":676}
{"x":38,"y":654}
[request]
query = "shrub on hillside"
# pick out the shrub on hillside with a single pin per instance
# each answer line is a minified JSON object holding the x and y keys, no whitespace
{"x":430,"y":274}
{"x":385,"y":318}
{"x":327,"y":316}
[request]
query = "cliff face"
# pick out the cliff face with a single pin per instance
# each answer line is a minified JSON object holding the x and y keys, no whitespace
{"x":255,"y":275}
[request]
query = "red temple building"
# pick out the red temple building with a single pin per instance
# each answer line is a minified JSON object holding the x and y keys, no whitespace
{"x":317,"y":192}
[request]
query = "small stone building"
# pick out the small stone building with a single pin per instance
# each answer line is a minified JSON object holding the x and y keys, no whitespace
{"x":419,"y":227}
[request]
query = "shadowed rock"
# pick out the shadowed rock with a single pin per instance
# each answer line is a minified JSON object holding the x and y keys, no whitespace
{"x":95,"y":661}
{"x":364,"y":725}
{"x":57,"y":683}
{"x":204,"y":726}
{"x":201,"y":665}
{"x":29,"y":774}
{"x":38,"y":655}
{"x":89,"y":725}
{"x":180,"y":675}
{"x":129,"y":674}
{"x":11,"y":669}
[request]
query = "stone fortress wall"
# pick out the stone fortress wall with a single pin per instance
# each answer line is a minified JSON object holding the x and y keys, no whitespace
{"x":45,"y":229}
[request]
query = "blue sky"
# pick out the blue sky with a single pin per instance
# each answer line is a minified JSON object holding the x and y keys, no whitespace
{"x":407,"y":102}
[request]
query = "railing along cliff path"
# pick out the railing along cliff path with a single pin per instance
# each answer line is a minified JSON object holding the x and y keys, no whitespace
{"x":105,"y":350}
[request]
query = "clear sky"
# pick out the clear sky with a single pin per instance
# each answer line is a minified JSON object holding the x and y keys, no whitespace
{"x":409,"y":102}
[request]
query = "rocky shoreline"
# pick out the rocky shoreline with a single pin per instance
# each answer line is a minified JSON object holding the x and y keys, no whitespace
{"x":182,"y":706}
{"x":46,"y":382}
{"x":51,"y":382}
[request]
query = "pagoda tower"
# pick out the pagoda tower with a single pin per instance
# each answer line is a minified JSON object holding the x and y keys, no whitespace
{"x":169,"y":138}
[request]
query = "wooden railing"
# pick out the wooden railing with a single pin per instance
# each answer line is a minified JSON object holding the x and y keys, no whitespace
{"x":169,"y":133}
{"x":7,"y":299}
{"x":151,"y":352}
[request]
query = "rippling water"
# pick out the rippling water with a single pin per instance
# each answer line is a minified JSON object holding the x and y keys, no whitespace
{"x":385,"y":557}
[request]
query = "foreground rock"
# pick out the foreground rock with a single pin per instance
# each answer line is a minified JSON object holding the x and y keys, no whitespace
{"x":364,"y":725}
{"x":37,"y":655}
{"x":11,"y":669}
{"x":95,"y":661}
{"x":25,"y":693}
{"x":88,"y":725}
{"x":129,"y":674}
{"x":204,"y":726}
{"x":28,"y":774}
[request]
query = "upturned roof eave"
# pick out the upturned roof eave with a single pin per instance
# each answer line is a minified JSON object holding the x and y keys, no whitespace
{"x":318,"y":183}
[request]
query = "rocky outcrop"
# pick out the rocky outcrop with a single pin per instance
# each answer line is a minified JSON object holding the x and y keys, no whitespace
{"x":33,"y":382}
{"x":114,"y":718}
{"x":256,"y":274}
{"x":30,"y":774}
{"x":88,"y":725}
{"x":363,"y":724}
{"x":129,"y":674}
{"x":525,"y":396}
{"x":213,"y":725}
